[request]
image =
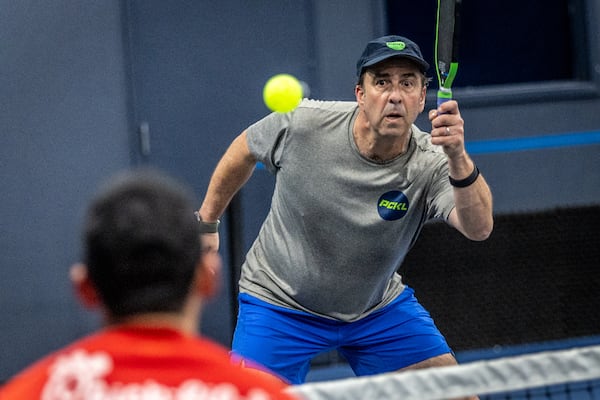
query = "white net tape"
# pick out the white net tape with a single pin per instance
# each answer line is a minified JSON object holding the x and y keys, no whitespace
{"x":479,"y":377}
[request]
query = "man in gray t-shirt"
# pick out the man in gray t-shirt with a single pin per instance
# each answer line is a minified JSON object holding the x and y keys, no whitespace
{"x":355,"y":182}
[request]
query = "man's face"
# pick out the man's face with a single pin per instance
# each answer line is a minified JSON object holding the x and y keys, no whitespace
{"x":392,"y":96}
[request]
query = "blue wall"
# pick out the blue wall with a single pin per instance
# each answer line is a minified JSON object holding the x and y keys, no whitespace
{"x":63,"y":128}
{"x":79,"y":78}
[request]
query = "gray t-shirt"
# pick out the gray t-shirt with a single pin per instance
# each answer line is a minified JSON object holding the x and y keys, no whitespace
{"x":339,"y":225}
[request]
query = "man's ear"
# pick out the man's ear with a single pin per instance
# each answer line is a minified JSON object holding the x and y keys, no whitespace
{"x":423,"y":98}
{"x":83,"y":287}
{"x":359,"y":93}
{"x":208,"y":274}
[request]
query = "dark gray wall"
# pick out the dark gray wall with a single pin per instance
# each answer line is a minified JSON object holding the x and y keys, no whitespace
{"x":78,"y":78}
{"x":63,"y":128}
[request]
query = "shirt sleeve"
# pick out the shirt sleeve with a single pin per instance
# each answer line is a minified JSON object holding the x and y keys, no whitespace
{"x":266,"y":139}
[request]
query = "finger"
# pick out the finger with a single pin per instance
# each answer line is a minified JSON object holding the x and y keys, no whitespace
{"x":432,"y":114}
{"x":444,"y":120}
{"x":441,"y":132}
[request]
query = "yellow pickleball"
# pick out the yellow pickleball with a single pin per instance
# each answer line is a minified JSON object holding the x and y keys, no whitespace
{"x":282,"y":93}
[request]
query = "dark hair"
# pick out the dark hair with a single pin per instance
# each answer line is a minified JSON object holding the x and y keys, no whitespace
{"x":142,"y":243}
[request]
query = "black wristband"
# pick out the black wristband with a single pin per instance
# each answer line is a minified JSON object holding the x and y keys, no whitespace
{"x":207,"y":227}
{"x":461,"y":183}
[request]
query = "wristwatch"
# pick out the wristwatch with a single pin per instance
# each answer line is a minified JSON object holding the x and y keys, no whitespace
{"x":207,"y":227}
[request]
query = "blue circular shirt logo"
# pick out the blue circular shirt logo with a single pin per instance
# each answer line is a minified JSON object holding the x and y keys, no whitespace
{"x":392,"y":205}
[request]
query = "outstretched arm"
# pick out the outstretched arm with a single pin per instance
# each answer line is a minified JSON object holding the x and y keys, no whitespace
{"x":232,"y":172}
{"x":472,"y":215}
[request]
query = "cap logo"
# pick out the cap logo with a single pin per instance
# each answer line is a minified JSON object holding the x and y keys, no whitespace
{"x":396,"y":45}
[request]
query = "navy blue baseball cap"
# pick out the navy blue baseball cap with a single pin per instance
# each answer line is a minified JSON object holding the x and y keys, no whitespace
{"x":385,"y":47}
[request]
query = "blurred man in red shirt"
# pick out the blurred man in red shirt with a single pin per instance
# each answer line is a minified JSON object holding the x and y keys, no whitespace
{"x":147,"y":272}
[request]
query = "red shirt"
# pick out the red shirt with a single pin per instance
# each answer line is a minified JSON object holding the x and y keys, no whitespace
{"x":141,"y":363}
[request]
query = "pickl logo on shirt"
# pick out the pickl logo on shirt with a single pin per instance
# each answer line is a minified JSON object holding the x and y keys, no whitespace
{"x":392,"y":205}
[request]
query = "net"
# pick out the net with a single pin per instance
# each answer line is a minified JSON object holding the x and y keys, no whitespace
{"x":561,"y":374}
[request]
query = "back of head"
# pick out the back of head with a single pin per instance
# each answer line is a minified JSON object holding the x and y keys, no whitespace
{"x":142,"y":243}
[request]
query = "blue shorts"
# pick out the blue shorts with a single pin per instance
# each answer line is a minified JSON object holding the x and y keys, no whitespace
{"x":285,"y":340}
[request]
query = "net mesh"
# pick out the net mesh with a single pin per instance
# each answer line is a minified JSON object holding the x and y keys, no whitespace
{"x":560,"y":374}
{"x":537,"y":274}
